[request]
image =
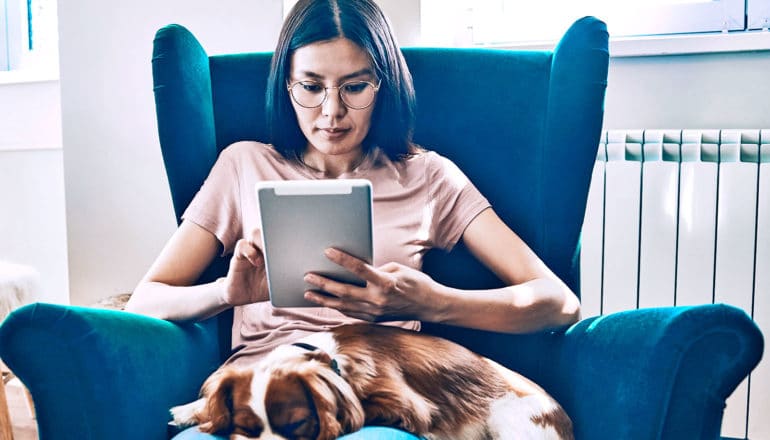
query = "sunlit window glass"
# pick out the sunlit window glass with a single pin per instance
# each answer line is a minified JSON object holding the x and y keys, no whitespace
{"x":490,"y":22}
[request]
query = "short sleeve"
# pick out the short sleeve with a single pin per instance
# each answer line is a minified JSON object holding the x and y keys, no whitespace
{"x":217,"y":205}
{"x":456,"y":201}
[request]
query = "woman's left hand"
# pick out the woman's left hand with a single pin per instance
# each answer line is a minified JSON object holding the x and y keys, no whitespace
{"x":393,"y":291}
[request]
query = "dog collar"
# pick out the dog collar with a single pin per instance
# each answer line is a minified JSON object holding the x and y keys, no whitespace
{"x":309,"y":347}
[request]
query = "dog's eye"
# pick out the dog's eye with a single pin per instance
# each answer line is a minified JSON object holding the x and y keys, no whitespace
{"x":251,"y":432}
{"x":294,"y":429}
{"x":247,"y":423}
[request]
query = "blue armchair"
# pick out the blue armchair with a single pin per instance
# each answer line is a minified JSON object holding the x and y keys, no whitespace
{"x":525,"y":127}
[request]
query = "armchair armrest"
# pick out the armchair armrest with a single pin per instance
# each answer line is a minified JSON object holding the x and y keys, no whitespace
{"x":661,"y":373}
{"x":98,"y":374}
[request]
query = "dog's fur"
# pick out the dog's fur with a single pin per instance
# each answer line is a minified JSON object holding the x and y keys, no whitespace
{"x":387,"y":376}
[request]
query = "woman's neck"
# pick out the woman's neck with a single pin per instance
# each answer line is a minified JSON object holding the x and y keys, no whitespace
{"x":332,"y":165}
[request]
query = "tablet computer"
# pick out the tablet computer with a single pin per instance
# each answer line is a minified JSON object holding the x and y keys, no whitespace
{"x":300,"y":219}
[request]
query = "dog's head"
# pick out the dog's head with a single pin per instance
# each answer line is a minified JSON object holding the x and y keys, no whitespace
{"x":297,"y":396}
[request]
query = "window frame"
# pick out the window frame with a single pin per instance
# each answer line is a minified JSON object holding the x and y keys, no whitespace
{"x":14,"y":34}
{"x":4,"y":46}
{"x":682,"y":33}
{"x":684,"y":18}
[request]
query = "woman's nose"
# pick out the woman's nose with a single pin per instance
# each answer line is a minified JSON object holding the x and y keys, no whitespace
{"x":333,"y":104}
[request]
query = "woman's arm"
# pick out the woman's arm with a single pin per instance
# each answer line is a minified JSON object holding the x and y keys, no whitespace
{"x":534,"y":300}
{"x":168,"y":292}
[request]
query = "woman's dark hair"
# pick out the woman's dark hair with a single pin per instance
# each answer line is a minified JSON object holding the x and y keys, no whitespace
{"x":362,"y":22}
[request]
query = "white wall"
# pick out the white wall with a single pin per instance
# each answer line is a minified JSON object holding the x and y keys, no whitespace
{"x":32,"y":226}
{"x":119,"y":211}
{"x":404,"y":16}
{"x":30,"y":114}
{"x":32,"y":223}
{"x":721,"y":90}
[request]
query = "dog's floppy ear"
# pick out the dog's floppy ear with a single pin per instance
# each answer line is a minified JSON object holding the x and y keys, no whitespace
{"x":339,"y":409}
{"x":227,"y":394}
{"x":315,"y":403}
{"x":289,"y":406}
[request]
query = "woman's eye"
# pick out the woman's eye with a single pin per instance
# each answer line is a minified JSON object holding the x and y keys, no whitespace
{"x":356,"y":87}
{"x":311,"y":87}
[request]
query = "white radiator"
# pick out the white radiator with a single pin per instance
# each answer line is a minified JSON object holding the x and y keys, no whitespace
{"x":680,"y":217}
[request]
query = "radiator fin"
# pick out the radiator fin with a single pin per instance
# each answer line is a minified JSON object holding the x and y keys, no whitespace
{"x":759,"y":408}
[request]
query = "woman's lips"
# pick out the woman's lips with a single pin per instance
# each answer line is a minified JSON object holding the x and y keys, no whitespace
{"x":333,"y":133}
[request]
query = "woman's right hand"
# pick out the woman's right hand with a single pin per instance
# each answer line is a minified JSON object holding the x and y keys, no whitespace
{"x":170,"y":290}
{"x":246,"y":282}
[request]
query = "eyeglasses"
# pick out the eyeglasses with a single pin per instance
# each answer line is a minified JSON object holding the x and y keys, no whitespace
{"x":354,"y":94}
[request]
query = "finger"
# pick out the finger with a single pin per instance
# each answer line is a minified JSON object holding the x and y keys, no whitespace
{"x":255,"y":238}
{"x":355,"y":309}
{"x":322,"y":299}
{"x":362,"y":316}
{"x":359,"y":267}
{"x":335,"y":288}
{"x":327,"y":300}
{"x":244,"y":250}
{"x":390,"y":267}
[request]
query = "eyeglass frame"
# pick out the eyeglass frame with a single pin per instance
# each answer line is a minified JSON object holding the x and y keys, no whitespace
{"x":376,"y":88}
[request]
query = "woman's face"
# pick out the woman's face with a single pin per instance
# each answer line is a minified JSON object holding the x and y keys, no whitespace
{"x":332,"y":129}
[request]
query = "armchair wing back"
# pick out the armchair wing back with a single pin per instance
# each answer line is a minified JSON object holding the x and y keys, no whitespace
{"x":524,"y":126}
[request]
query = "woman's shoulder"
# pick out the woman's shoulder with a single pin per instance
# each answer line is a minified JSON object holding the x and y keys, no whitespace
{"x":251,"y":153}
{"x":421,"y":157}
{"x":249,"y":149}
{"x":430,"y":161}
{"x":256,"y":160}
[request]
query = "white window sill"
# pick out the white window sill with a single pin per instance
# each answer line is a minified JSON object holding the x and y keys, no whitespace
{"x":28,"y":76}
{"x":718,"y":42}
{"x":27,"y":148}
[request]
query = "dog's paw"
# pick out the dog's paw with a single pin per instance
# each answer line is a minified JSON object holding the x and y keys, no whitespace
{"x":186,"y":415}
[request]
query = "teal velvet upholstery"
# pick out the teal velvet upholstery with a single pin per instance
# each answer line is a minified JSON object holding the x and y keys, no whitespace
{"x":525,"y":127}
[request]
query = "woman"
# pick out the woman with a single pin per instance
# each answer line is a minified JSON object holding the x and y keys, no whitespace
{"x":341,"y":105}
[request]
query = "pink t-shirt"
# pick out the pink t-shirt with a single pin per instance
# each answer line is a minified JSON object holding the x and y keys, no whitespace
{"x":420,"y":203}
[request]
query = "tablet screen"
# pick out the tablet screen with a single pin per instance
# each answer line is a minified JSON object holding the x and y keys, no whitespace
{"x":300,"y":219}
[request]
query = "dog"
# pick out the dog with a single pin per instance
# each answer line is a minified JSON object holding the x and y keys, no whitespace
{"x":334,"y":382}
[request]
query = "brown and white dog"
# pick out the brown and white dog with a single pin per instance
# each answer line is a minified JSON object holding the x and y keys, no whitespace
{"x":334,"y":382}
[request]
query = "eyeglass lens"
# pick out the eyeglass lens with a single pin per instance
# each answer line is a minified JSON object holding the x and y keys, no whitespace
{"x":356,"y":94}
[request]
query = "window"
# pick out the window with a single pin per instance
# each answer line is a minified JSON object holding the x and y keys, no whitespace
{"x":758,"y":14}
{"x":485,"y":22}
{"x":28,"y":34}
